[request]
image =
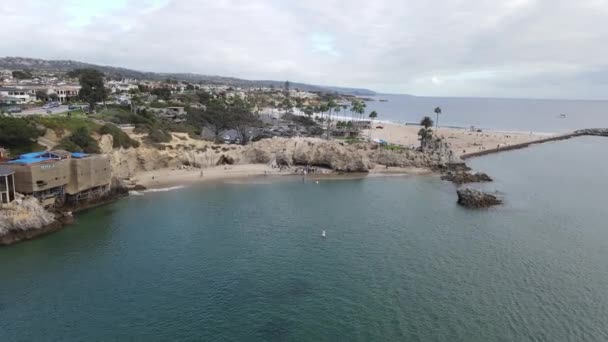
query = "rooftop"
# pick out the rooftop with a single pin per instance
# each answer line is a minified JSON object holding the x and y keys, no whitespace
{"x":38,"y":157}
{"x":5,"y":171}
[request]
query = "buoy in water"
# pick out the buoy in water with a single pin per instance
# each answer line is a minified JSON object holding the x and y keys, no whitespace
{"x":323,"y":234}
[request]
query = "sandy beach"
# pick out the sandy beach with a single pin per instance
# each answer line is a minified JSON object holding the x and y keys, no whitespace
{"x":461,"y":141}
{"x":170,"y":177}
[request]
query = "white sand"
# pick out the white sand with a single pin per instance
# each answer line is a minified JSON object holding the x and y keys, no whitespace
{"x":460,"y":140}
{"x":174,"y":177}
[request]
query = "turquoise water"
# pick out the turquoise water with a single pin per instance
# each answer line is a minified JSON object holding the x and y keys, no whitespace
{"x":401,"y":261}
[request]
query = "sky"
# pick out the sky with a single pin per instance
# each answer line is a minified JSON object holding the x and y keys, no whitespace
{"x":509,"y":48}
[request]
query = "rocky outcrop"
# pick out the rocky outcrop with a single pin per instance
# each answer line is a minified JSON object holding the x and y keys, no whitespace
{"x":400,"y":158}
{"x":225,"y":160}
{"x":309,"y":151}
{"x":593,"y":131}
{"x":476,"y":199}
{"x":25,"y":218}
{"x":106,"y":143}
{"x":466,"y":177}
{"x":331,"y":154}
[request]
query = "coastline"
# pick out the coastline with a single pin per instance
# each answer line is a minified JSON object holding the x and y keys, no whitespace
{"x":166,"y":178}
{"x":461,"y":141}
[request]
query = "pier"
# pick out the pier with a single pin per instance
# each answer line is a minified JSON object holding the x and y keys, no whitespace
{"x":583,"y":132}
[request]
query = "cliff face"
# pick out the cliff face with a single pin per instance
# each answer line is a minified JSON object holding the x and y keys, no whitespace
{"x":283,"y":151}
{"x":332,"y":154}
{"x":23,"y":219}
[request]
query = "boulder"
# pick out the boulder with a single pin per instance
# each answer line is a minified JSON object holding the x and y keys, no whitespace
{"x":225,"y":160}
{"x":138,"y":187}
{"x":466,"y":177}
{"x":24,"y":218}
{"x":476,"y":199}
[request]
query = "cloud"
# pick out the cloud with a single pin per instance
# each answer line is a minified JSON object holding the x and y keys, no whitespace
{"x":515,"y":48}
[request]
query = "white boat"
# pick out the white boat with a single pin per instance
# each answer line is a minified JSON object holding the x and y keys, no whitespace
{"x":562,"y":116}
{"x":323,"y":234}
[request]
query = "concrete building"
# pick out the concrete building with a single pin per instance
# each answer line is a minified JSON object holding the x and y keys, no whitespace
{"x":64,"y":92}
{"x":57,"y":177}
{"x":7,"y":185}
{"x":16,"y":95}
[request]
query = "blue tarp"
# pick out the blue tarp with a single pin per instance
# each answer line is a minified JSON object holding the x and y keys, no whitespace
{"x":79,"y":155}
{"x":27,"y":161}
{"x":31,"y":155}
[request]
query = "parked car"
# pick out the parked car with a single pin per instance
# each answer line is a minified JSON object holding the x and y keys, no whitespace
{"x":14,"y":110}
{"x":73,"y":107}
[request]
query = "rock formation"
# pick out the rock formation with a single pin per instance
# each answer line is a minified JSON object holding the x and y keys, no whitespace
{"x":593,"y":131}
{"x":24,"y":218}
{"x":281,"y":151}
{"x":476,"y":199}
{"x":466,"y":177}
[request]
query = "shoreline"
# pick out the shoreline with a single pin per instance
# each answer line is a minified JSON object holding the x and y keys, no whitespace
{"x":460,"y":141}
{"x":167,"y":178}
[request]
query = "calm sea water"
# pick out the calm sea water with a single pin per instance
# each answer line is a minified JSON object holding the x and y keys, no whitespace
{"x":401,"y":261}
{"x":498,"y":114}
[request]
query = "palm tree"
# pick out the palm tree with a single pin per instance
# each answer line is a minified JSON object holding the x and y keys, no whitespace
{"x":437,"y":112}
{"x":372,"y":116}
{"x":331,"y":104}
{"x":426,"y":122}
{"x":358,"y":106}
{"x":425,"y":133}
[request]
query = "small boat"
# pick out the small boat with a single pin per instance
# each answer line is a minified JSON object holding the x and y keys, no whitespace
{"x":562,"y":116}
{"x":323,"y":234}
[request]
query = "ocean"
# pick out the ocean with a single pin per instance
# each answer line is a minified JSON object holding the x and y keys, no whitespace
{"x":523,"y":115}
{"x":245,"y":261}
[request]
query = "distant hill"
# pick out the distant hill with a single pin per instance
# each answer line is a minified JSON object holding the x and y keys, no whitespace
{"x":20,"y":63}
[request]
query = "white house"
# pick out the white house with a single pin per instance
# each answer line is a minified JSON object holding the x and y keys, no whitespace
{"x":64,"y":92}
{"x":17,"y":95}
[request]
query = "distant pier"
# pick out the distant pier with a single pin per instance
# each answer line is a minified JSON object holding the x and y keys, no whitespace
{"x":583,"y":132}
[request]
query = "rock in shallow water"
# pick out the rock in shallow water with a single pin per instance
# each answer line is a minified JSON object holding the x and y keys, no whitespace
{"x":466,"y":177}
{"x":476,"y":199}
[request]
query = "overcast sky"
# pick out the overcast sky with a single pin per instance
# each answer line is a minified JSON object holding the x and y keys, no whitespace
{"x":512,"y":48}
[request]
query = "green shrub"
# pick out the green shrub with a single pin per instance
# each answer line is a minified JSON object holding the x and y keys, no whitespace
{"x":17,"y":132}
{"x":68,"y":145}
{"x":157,"y":135}
{"x":121,"y":139}
{"x":80,"y":141}
{"x":60,"y":124}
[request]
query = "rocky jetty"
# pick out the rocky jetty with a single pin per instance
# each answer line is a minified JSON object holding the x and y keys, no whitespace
{"x":476,"y":199}
{"x":593,"y":131}
{"x":466,"y":177}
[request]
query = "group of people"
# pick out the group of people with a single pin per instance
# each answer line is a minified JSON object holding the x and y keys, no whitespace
{"x":305,"y":170}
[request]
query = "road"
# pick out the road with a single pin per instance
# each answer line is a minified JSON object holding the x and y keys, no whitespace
{"x":40,"y":110}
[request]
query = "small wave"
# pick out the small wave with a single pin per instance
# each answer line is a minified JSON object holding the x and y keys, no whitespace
{"x":166,"y":189}
{"x":135,"y":193}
